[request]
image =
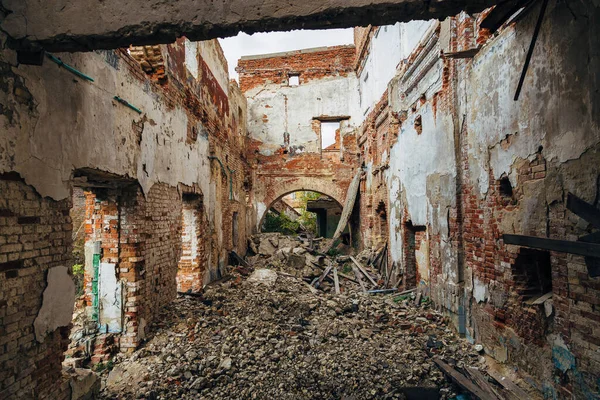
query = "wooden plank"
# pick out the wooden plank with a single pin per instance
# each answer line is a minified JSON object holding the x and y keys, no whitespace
{"x":336,"y":281}
{"x":509,"y":385}
{"x":563,"y":246}
{"x":501,"y":14}
{"x":469,"y":53}
{"x":407,"y":291}
{"x":418,"y":298}
{"x":359,"y":279}
{"x":542,"y":299}
{"x":239,"y":259}
{"x":363,"y":271}
{"x":322,"y":277}
{"x":584,"y":210}
{"x":461,"y":381}
{"x":347,"y":210}
{"x":476,"y":375}
{"x":345,"y":276}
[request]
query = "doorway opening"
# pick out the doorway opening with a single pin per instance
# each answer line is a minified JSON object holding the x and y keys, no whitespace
{"x":191,"y":265}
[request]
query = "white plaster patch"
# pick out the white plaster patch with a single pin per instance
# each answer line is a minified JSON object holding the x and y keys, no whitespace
{"x":111,"y":302}
{"x":480,"y":291}
{"x":191,"y":57}
{"x":57,"y":304}
{"x":422,"y":256}
{"x":261,"y":208}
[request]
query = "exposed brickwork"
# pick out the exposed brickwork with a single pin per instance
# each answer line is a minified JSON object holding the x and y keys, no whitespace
{"x":193,"y":253}
{"x":309,"y":64}
{"x":34,"y":237}
{"x":151,"y":60}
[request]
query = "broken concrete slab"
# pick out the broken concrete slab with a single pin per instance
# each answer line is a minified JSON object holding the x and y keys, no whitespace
{"x":266,"y":248}
{"x":85,"y":384}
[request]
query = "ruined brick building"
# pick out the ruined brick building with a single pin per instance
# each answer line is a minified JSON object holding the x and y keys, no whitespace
{"x":176,"y":165}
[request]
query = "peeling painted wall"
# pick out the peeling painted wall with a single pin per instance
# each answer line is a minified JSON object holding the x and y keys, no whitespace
{"x":389,"y":46}
{"x":460,"y":131}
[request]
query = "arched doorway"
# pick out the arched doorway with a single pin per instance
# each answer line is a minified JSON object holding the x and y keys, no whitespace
{"x":302,"y":211}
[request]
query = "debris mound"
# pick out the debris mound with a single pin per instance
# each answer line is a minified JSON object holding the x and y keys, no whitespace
{"x":265,"y":333}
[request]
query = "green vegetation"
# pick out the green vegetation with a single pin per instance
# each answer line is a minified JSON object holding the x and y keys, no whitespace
{"x":78,"y":271}
{"x":282,"y":223}
{"x":101,"y":366}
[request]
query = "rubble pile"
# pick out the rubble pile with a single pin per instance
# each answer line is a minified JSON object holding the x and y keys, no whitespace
{"x":303,"y":257}
{"x":263,"y":333}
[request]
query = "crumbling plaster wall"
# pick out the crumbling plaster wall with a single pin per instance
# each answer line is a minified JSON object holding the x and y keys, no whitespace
{"x":68,"y":123}
{"x":564,"y":125}
{"x":422,"y":169}
{"x":387,"y":47}
{"x":402,"y":67}
{"x":548,"y":144}
{"x":284,"y":122}
{"x":276,"y":109}
{"x":53,"y":124}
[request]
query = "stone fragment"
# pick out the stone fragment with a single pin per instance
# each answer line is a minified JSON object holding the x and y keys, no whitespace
{"x":264,"y":276}
{"x":85,"y":384}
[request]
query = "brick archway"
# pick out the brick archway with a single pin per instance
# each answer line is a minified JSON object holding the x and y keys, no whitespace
{"x":281,"y":187}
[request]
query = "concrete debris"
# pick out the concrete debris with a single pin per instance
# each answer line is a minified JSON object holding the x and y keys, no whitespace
{"x":304,"y":258}
{"x":264,"y":276}
{"x":289,"y":342}
{"x":85,"y":384}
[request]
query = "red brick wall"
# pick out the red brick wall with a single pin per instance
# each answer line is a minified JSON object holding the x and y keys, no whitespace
{"x":335,"y":61}
{"x":35,"y":235}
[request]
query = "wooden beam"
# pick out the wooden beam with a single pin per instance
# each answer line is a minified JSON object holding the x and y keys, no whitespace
{"x":320,"y":280}
{"x":336,"y":281}
{"x":591,"y":238}
{"x":477,"y":377}
{"x":508,"y":385}
{"x":239,"y":259}
{"x":501,"y":14}
{"x":584,"y":210}
{"x":469,"y":53}
{"x":461,"y":380}
{"x":536,"y":32}
{"x":562,"y":246}
{"x":363,"y":271}
{"x":359,"y":279}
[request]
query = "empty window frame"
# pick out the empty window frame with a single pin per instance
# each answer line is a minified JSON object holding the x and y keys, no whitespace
{"x":294,"y":80}
{"x":328,"y":133}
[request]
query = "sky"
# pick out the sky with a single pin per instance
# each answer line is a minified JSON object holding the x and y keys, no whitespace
{"x":274,"y":42}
